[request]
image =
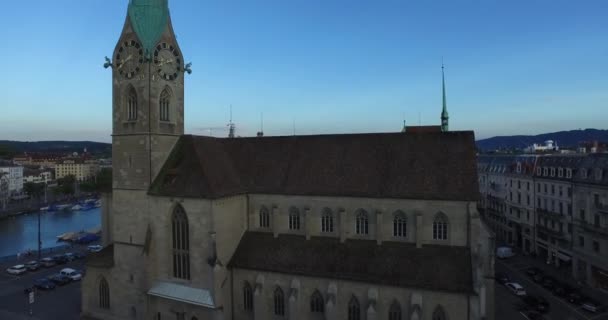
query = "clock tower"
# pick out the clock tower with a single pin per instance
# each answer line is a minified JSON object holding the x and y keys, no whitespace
{"x":147,"y":95}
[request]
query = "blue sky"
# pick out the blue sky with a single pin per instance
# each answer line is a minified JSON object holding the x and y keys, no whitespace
{"x":333,"y":66}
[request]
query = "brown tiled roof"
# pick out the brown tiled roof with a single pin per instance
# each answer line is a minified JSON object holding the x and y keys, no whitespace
{"x":101,"y":259}
{"x":419,"y":129}
{"x":384,"y":165}
{"x":432,"y":267}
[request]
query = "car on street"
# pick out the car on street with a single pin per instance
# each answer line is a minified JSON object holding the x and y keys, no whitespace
{"x":71,"y":273}
{"x":533,"y":271}
{"x":60,"y":279}
{"x":501,"y":277}
{"x":80,"y":255}
{"x":591,"y":306}
{"x":32,"y":265}
{"x":536,"y":303}
{"x":44,"y":284}
{"x":47,"y":262}
{"x":60,"y":259}
{"x":94,"y":248}
{"x":17,"y":270}
{"x":516,"y":288}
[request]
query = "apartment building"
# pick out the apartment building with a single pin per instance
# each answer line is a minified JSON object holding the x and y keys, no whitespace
{"x":80,"y":168}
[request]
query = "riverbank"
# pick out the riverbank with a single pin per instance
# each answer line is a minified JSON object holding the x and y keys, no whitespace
{"x":29,"y":207}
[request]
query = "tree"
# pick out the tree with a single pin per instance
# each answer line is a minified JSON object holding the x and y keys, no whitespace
{"x":66,"y":185}
{"x":104,"y":180}
{"x":6,"y":151}
{"x":34,"y":190}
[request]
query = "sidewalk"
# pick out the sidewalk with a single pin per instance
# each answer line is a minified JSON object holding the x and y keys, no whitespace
{"x":562,"y":275}
{"x":15,"y":316}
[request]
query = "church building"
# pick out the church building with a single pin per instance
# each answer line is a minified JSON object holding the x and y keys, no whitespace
{"x":339,"y":226}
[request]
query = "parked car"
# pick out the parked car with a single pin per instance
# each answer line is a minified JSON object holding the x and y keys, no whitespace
{"x":60,"y":259}
{"x":562,"y":290}
{"x":71,"y":273}
{"x":533,"y":271}
{"x":69,"y":256}
{"x":548,"y":283}
{"x":47,"y":262}
{"x":592,"y":306}
{"x":44,"y":284}
{"x":32,"y":265}
{"x":94,"y":248}
{"x":501,"y":277}
{"x":60,"y":279}
{"x":576,"y":297}
{"x":80,"y":255}
{"x":504,"y":252}
{"x":537,"y":303}
{"x":17,"y":270}
{"x":516,"y":288}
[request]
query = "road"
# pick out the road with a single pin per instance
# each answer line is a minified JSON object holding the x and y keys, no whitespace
{"x":508,"y":305}
{"x":60,"y":303}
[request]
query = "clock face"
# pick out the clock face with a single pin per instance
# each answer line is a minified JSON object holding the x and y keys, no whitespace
{"x":167,"y":61}
{"x":129,"y":59}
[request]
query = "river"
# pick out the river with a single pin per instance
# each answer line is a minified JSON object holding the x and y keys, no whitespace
{"x":20,"y":233}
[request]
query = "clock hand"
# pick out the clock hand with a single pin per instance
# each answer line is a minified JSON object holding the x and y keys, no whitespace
{"x":124,"y":61}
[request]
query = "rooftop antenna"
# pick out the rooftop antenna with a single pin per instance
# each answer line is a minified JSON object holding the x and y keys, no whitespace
{"x":231,"y":126}
{"x":419,"y":122}
{"x":261,"y":132}
{"x":294,"y":126}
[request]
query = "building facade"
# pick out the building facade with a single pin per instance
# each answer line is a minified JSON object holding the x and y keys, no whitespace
{"x":353,"y":226}
{"x":15,"y":178}
{"x":81,"y":169}
{"x":590,"y":218}
{"x":569,"y":219}
{"x":4,"y":193}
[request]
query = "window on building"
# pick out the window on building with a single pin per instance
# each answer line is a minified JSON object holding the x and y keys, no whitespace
{"x":264,"y":217}
{"x":545,"y":185}
{"x":132,"y":104}
{"x":354,"y":311}
{"x":552,"y":189}
{"x":519,"y":197}
{"x":596,"y":220}
{"x":279,"y":302}
{"x":439,"y":314}
{"x":181,"y":243}
{"x":568,"y":173}
{"x":528,"y":199}
{"x":569,"y":209}
{"x":538,"y":169}
{"x":511,"y":183}
{"x":581,"y":241}
{"x":247,"y":297}
{"x":316,"y":302}
{"x":362,"y":222}
{"x":560,"y":172}
{"x":104,"y":294}
{"x":394,"y":313}
{"x":164,"y":102}
{"x":582,"y":214}
{"x":596,"y":199}
{"x":545,"y":171}
{"x":584,"y":173}
{"x":598,"y":174}
{"x":133,"y":312}
{"x":538,"y":187}
{"x":561,"y":208}
{"x":511,"y":195}
{"x":528,"y":215}
{"x":327,"y":221}
{"x":518,"y":184}
{"x":399,"y":225}
{"x":596,"y":246}
{"x":528,"y":185}
{"x":553,"y":172}
{"x":294,"y":218}
{"x":440,"y":227}
{"x":569,"y":227}
{"x":538,"y":200}
{"x":561,"y":191}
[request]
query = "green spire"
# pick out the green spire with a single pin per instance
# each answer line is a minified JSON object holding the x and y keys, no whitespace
{"x":149,"y":20}
{"x":444,"y":112}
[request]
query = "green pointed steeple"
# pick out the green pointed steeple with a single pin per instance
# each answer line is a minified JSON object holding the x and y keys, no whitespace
{"x":444,"y":113}
{"x":149,"y":20}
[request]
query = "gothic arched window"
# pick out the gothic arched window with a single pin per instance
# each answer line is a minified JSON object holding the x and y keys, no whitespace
{"x":181,"y":243}
{"x":294,"y":218}
{"x":440,"y":227}
{"x":264,"y":218}
{"x":362,"y":222}
{"x":131,"y":104}
{"x":394,"y":313}
{"x":354,"y":311}
{"x":316,"y":302}
{"x":439,"y":314}
{"x":327,"y":221}
{"x":400,"y":225}
{"x":164,"y":103}
{"x":279,"y":302}
{"x":104,"y":294}
{"x":247,"y":297}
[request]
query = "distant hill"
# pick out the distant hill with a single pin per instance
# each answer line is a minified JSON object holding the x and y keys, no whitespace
{"x":10,"y":148}
{"x":570,"y":138}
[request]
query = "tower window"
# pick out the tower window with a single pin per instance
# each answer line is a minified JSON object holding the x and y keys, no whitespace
{"x":164,"y":103}
{"x":279,"y":302}
{"x":104,"y":294}
{"x":327,"y":221}
{"x":247,"y":297}
{"x":354,"y":311}
{"x":394,"y":312}
{"x":316,"y":302}
{"x":132,"y":105}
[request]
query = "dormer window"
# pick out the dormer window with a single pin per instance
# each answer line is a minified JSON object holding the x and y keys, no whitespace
{"x":584,"y":173}
{"x":568,"y":173}
{"x":598,"y":174}
{"x":538,"y":171}
{"x":519,"y":167}
{"x":560,"y":172}
{"x":545,"y":171}
{"x":553,"y":172}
